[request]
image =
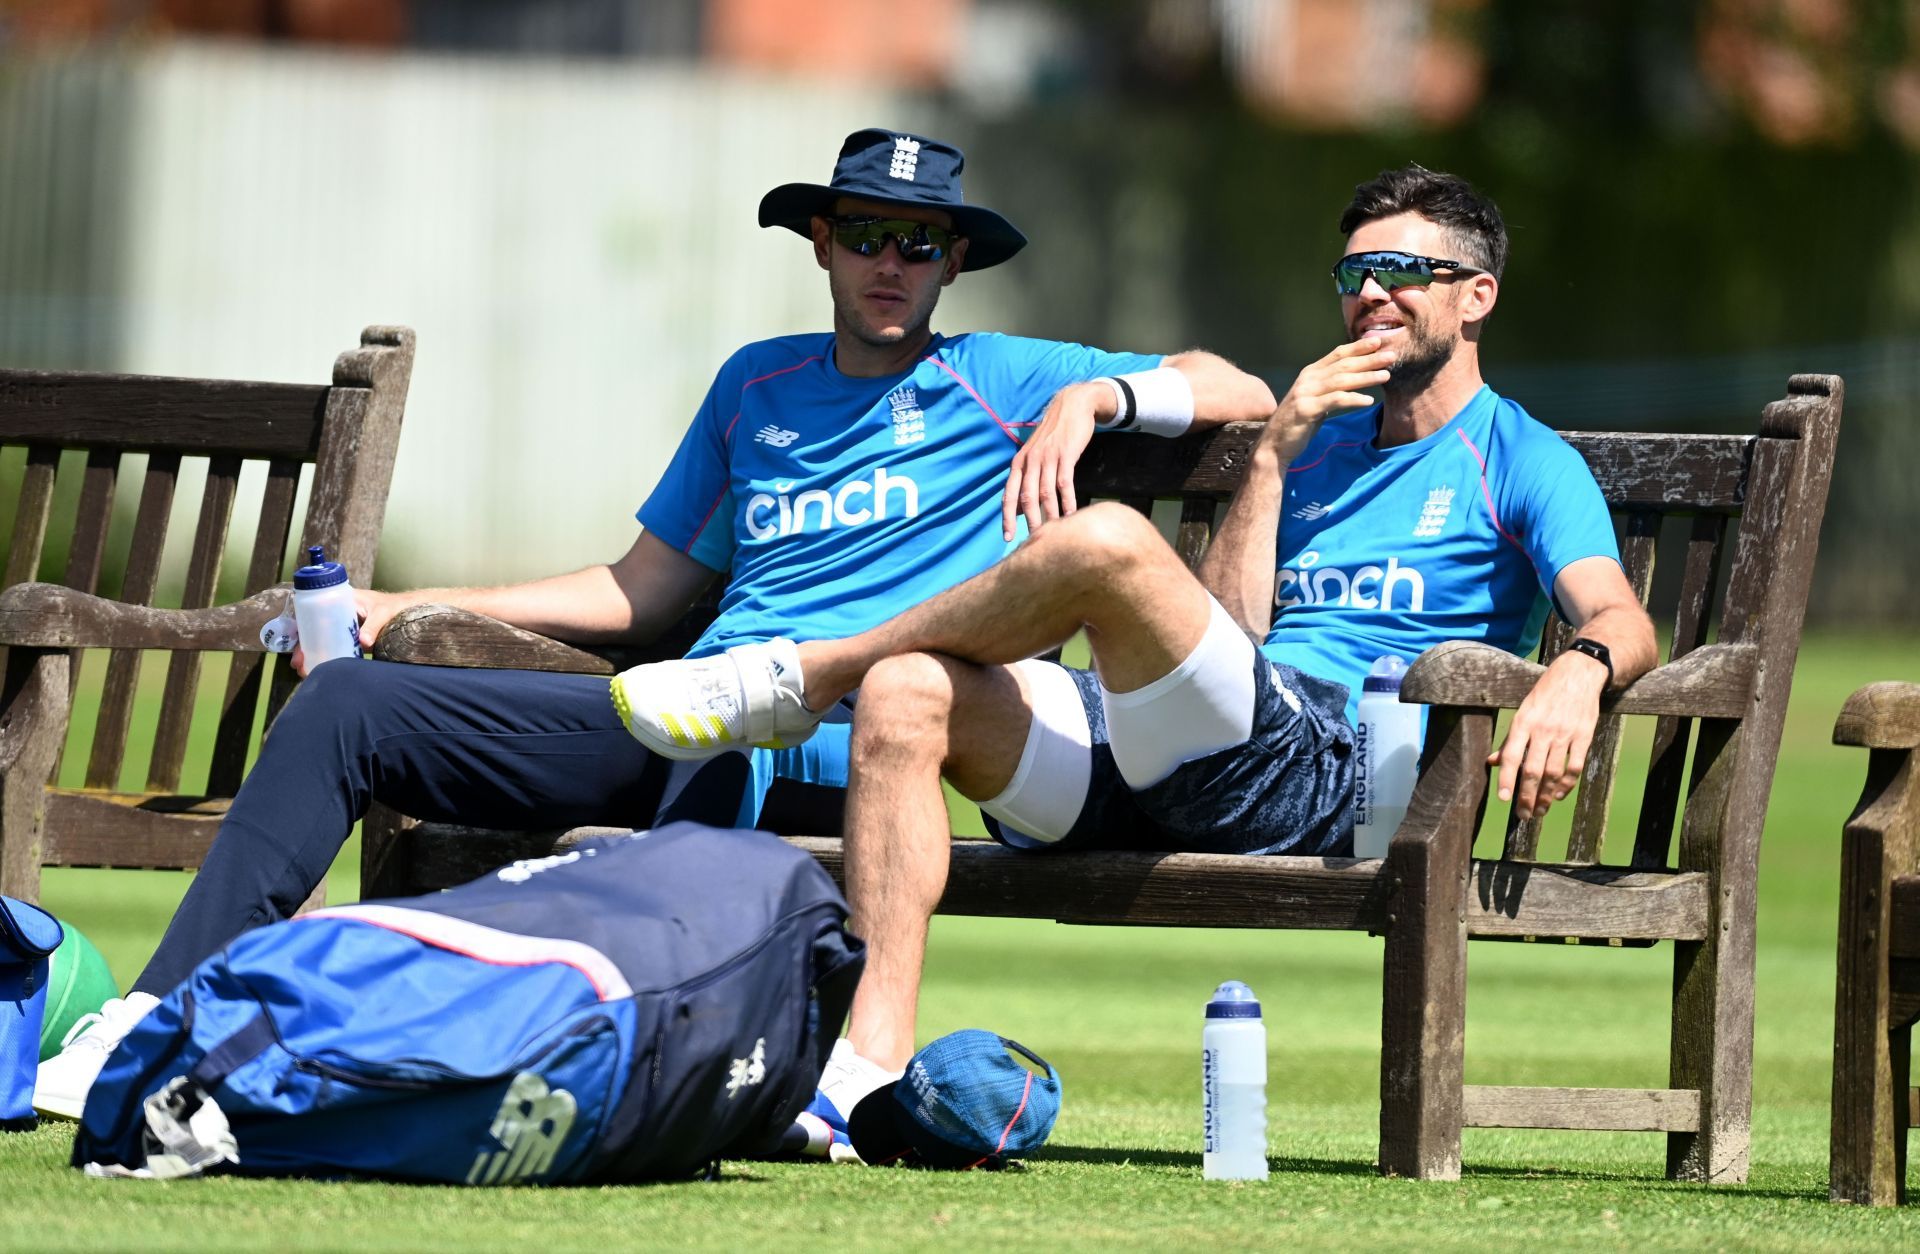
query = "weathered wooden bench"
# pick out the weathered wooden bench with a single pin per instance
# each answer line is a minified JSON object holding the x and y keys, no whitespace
{"x":1877,"y":992}
{"x":1749,"y":503}
{"x":80,"y":427}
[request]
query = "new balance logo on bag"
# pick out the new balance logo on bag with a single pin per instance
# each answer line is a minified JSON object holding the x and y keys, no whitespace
{"x":532,"y":1125}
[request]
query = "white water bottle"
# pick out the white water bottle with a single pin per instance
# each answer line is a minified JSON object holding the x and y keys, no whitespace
{"x":324,"y":610}
{"x":1387,"y":758}
{"x":1233,"y":1072}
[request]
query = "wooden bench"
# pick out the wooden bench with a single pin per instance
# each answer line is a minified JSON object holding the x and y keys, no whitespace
{"x":1877,"y":992}
{"x":1751,"y":503}
{"x":77,"y":428}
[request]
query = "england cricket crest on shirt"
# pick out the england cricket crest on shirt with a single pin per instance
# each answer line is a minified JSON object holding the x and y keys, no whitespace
{"x":1433,"y":515}
{"x":909,"y":424}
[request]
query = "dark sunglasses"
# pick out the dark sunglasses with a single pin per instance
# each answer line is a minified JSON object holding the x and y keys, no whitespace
{"x":917,"y":241}
{"x":1392,"y":270}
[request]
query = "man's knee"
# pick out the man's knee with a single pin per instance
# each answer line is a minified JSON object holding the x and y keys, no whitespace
{"x":907,"y":697}
{"x":342,"y":693}
{"x":1102,"y":540}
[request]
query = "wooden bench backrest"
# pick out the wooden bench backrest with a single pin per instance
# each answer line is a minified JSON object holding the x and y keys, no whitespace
{"x":79,"y":424}
{"x":1763,"y":495}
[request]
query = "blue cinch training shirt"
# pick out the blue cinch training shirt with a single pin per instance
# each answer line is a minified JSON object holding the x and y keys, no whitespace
{"x":1457,"y":536}
{"x":838,"y":502}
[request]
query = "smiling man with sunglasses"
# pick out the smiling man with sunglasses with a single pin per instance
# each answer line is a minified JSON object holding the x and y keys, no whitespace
{"x":840,"y":478}
{"x":1219,"y":715}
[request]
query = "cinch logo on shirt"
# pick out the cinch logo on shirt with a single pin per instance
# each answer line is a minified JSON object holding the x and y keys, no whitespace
{"x":817,"y":509}
{"x":1369,"y":588}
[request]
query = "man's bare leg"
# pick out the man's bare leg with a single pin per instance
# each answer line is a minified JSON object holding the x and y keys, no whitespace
{"x":1104,"y":569}
{"x":920,"y":717}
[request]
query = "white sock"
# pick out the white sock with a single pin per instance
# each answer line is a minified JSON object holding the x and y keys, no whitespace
{"x":850,"y":1076}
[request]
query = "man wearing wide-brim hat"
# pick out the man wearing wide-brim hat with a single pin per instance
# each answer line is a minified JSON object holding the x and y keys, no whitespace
{"x":835,"y":478}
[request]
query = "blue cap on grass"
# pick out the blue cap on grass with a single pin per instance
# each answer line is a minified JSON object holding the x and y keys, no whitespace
{"x":964,"y":1102}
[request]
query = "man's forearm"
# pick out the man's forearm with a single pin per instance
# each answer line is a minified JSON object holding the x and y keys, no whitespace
{"x":1238,"y":568}
{"x":1222,"y":392}
{"x":586,"y":606}
{"x":1628,"y":635}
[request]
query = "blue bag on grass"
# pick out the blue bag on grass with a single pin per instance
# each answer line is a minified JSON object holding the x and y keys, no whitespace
{"x":635,"y":1008}
{"x":28,"y":936}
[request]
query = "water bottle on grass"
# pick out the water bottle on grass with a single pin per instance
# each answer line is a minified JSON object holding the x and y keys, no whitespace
{"x":1233,"y":1071}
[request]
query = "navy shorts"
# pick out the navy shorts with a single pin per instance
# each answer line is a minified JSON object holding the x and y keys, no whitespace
{"x":1288,"y":788}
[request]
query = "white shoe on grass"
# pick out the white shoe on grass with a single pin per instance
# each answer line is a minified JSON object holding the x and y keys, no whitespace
{"x":820,"y":1131}
{"x":699,"y":707}
{"x":61,"y":1084}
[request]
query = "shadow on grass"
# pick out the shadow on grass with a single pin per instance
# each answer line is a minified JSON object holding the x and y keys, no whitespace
{"x":1651,"y":1182}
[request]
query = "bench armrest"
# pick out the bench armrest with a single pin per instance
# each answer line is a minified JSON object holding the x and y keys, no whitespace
{"x":1881,"y":716}
{"x":52,"y":616}
{"x":1713,"y":681}
{"x":445,"y":635}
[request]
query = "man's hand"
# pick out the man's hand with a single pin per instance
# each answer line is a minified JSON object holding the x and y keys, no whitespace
{"x":1040,"y":481}
{"x":376,"y":610}
{"x":1327,"y":387}
{"x":1546,"y":746}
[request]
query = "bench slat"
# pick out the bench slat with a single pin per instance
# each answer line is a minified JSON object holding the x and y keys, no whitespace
{"x":1594,"y":798}
{"x":143,"y":574}
{"x":88,"y":548}
{"x":1338,"y":894}
{"x":183,"y":667}
{"x":130,"y":829}
{"x":31,"y":514}
{"x":233,"y":737}
{"x":1675,"y":473}
{"x":1196,"y":530}
{"x":1591,"y":1110}
{"x":1666,"y":767}
{"x":137,"y":413}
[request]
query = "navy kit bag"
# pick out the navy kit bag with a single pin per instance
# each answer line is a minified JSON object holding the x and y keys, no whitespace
{"x":28,"y":937}
{"x":635,"y":1008}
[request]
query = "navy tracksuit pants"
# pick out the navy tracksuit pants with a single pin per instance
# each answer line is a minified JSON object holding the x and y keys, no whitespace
{"x":491,"y":748}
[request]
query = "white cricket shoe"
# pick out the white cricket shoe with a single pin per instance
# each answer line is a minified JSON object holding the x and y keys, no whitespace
{"x":820,"y":1131}
{"x":750,"y":695}
{"x":61,"y":1084}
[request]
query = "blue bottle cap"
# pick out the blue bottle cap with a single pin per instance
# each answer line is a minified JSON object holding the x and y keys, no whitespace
{"x":1386,"y":674}
{"x":1233,"y":1000}
{"x":320,"y":574}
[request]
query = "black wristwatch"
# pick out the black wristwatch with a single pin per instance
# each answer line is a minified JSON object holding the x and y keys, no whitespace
{"x":1595,"y":650}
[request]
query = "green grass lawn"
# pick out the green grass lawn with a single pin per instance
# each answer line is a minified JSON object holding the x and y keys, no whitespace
{"x":1118,"y":1010}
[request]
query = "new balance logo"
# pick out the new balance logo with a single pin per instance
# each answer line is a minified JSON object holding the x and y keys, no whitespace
{"x":532,"y":1124}
{"x":906,"y":158}
{"x":1433,"y":515}
{"x":885,"y":495}
{"x":748,"y":1071}
{"x":775,"y":436}
{"x":1313,"y":511}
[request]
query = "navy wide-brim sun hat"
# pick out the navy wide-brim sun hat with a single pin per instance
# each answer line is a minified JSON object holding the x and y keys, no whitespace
{"x":898,"y":168}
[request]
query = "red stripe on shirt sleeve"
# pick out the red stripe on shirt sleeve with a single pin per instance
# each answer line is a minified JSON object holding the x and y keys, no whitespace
{"x":981,"y":401}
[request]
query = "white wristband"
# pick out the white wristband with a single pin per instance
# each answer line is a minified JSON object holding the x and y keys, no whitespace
{"x":1158,"y":402}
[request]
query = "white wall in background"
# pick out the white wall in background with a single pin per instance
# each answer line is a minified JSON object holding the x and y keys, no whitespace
{"x":574,"y":243}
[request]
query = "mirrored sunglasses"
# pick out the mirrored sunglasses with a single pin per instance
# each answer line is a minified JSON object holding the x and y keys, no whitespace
{"x":917,"y":241}
{"x":1392,"y":271}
